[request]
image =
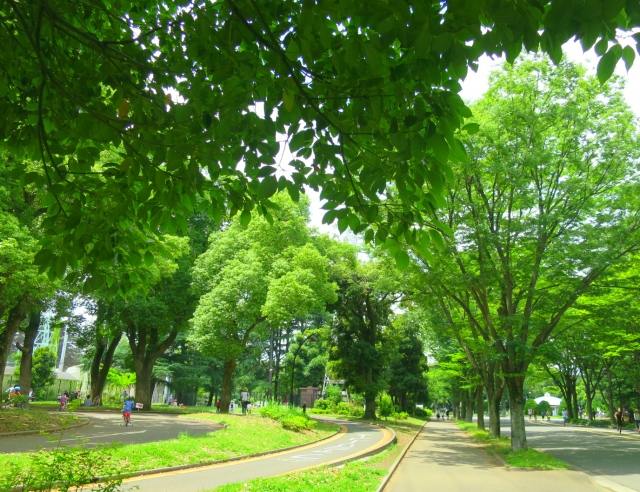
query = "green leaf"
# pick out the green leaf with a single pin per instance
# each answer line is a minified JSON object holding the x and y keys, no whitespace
{"x":440,"y":148}
{"x":289,"y":99}
{"x":608,"y":62}
{"x":436,"y":238}
{"x":267,"y":187}
{"x":148,"y":258}
{"x":402,"y":260}
{"x":471,"y":128}
{"x":629,"y":55}
{"x":418,"y":147}
{"x":343,"y":223}
{"x":245,"y":217}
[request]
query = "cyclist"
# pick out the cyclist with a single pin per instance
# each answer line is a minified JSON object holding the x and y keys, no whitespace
{"x":127,"y":407}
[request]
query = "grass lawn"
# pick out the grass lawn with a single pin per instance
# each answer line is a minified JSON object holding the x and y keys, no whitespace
{"x":25,"y":420}
{"x":502,"y":447}
{"x":244,"y":436}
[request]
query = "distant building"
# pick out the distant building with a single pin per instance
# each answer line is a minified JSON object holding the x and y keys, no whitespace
{"x":551,"y":400}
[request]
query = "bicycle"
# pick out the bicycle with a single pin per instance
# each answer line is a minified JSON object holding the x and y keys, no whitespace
{"x":23,"y":405}
{"x":126,"y":417}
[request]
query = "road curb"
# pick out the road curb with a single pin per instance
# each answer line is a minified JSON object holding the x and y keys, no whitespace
{"x":53,"y":429}
{"x":396,"y":463}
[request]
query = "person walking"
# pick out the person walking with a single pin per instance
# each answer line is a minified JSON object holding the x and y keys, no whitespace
{"x":548,"y":415}
{"x":447,"y":413}
{"x":535,"y":414}
{"x":170,"y":399}
{"x":530,"y":413}
{"x":636,"y":418}
{"x":244,"y":399}
{"x":564,"y":417}
{"x":218,"y":406}
{"x":304,"y":407}
{"x":619,"y":419}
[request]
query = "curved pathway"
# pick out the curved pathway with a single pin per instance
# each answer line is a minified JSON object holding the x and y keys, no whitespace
{"x":354,"y":440}
{"x":105,"y":427}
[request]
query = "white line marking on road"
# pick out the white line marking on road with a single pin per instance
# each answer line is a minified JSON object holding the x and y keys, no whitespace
{"x":105,"y":435}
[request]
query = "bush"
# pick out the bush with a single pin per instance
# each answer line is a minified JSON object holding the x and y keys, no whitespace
{"x":429,"y":412}
{"x":297,"y":423}
{"x":320,"y":411}
{"x":385,"y":406}
{"x":334,"y":395}
{"x":322,"y":404}
{"x":400,"y":415}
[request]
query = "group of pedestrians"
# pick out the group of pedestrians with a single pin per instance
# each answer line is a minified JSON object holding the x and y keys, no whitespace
{"x":619,"y":416}
{"x":445,"y":413}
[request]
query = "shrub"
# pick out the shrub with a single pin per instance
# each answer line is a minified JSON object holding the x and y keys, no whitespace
{"x":385,"y":406}
{"x":428,"y":412}
{"x":400,"y":415}
{"x":320,"y":411}
{"x":297,"y":423}
{"x":322,"y":404}
{"x":334,"y":395}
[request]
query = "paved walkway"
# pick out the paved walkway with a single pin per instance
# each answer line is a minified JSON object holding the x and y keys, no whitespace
{"x":443,"y":458}
{"x":106,"y":427}
{"x":358,"y":439}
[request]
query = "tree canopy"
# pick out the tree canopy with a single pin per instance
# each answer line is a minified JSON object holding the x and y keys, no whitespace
{"x":133,"y":114}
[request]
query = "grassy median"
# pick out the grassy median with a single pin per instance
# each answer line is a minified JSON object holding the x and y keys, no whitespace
{"x":21,"y":420}
{"x":356,"y":476}
{"x":502,"y":447}
{"x":243,"y":436}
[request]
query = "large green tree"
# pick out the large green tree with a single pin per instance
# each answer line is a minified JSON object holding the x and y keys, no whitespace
{"x":547,"y":203}
{"x":253,"y":274}
{"x":133,"y":109}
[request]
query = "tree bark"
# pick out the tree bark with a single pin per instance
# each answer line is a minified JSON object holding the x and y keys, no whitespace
{"x":146,"y":349}
{"x":144,"y":375}
{"x":480,"y":407}
{"x":516,"y":402}
{"x":26,"y":361}
{"x":17,"y":314}
{"x":370,"y":408}
{"x":494,"y":413}
{"x":612,"y":410}
{"x":101,"y":363}
{"x":468,"y":413}
{"x":227,"y":380}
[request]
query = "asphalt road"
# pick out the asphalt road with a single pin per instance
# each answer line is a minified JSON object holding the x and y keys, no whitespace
{"x":359,"y":438}
{"x":107,"y":427}
{"x":600,"y":452}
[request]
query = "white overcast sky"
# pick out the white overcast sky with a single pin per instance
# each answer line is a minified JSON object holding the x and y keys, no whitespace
{"x":477,"y":83}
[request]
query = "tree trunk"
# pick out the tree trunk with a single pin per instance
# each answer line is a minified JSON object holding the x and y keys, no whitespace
{"x":574,"y":396}
{"x":516,"y":402}
{"x":370,"y":408}
{"x":100,"y":365}
{"x":589,"y":395}
{"x":468,"y":413}
{"x":210,"y":399}
{"x":26,"y":361}
{"x":144,"y":374}
{"x":494,"y":413}
{"x":17,"y":314}
{"x":480,"y":407}
{"x":609,"y":394}
{"x":227,"y":380}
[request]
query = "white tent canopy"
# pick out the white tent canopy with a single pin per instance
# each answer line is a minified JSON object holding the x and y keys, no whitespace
{"x":551,"y":400}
